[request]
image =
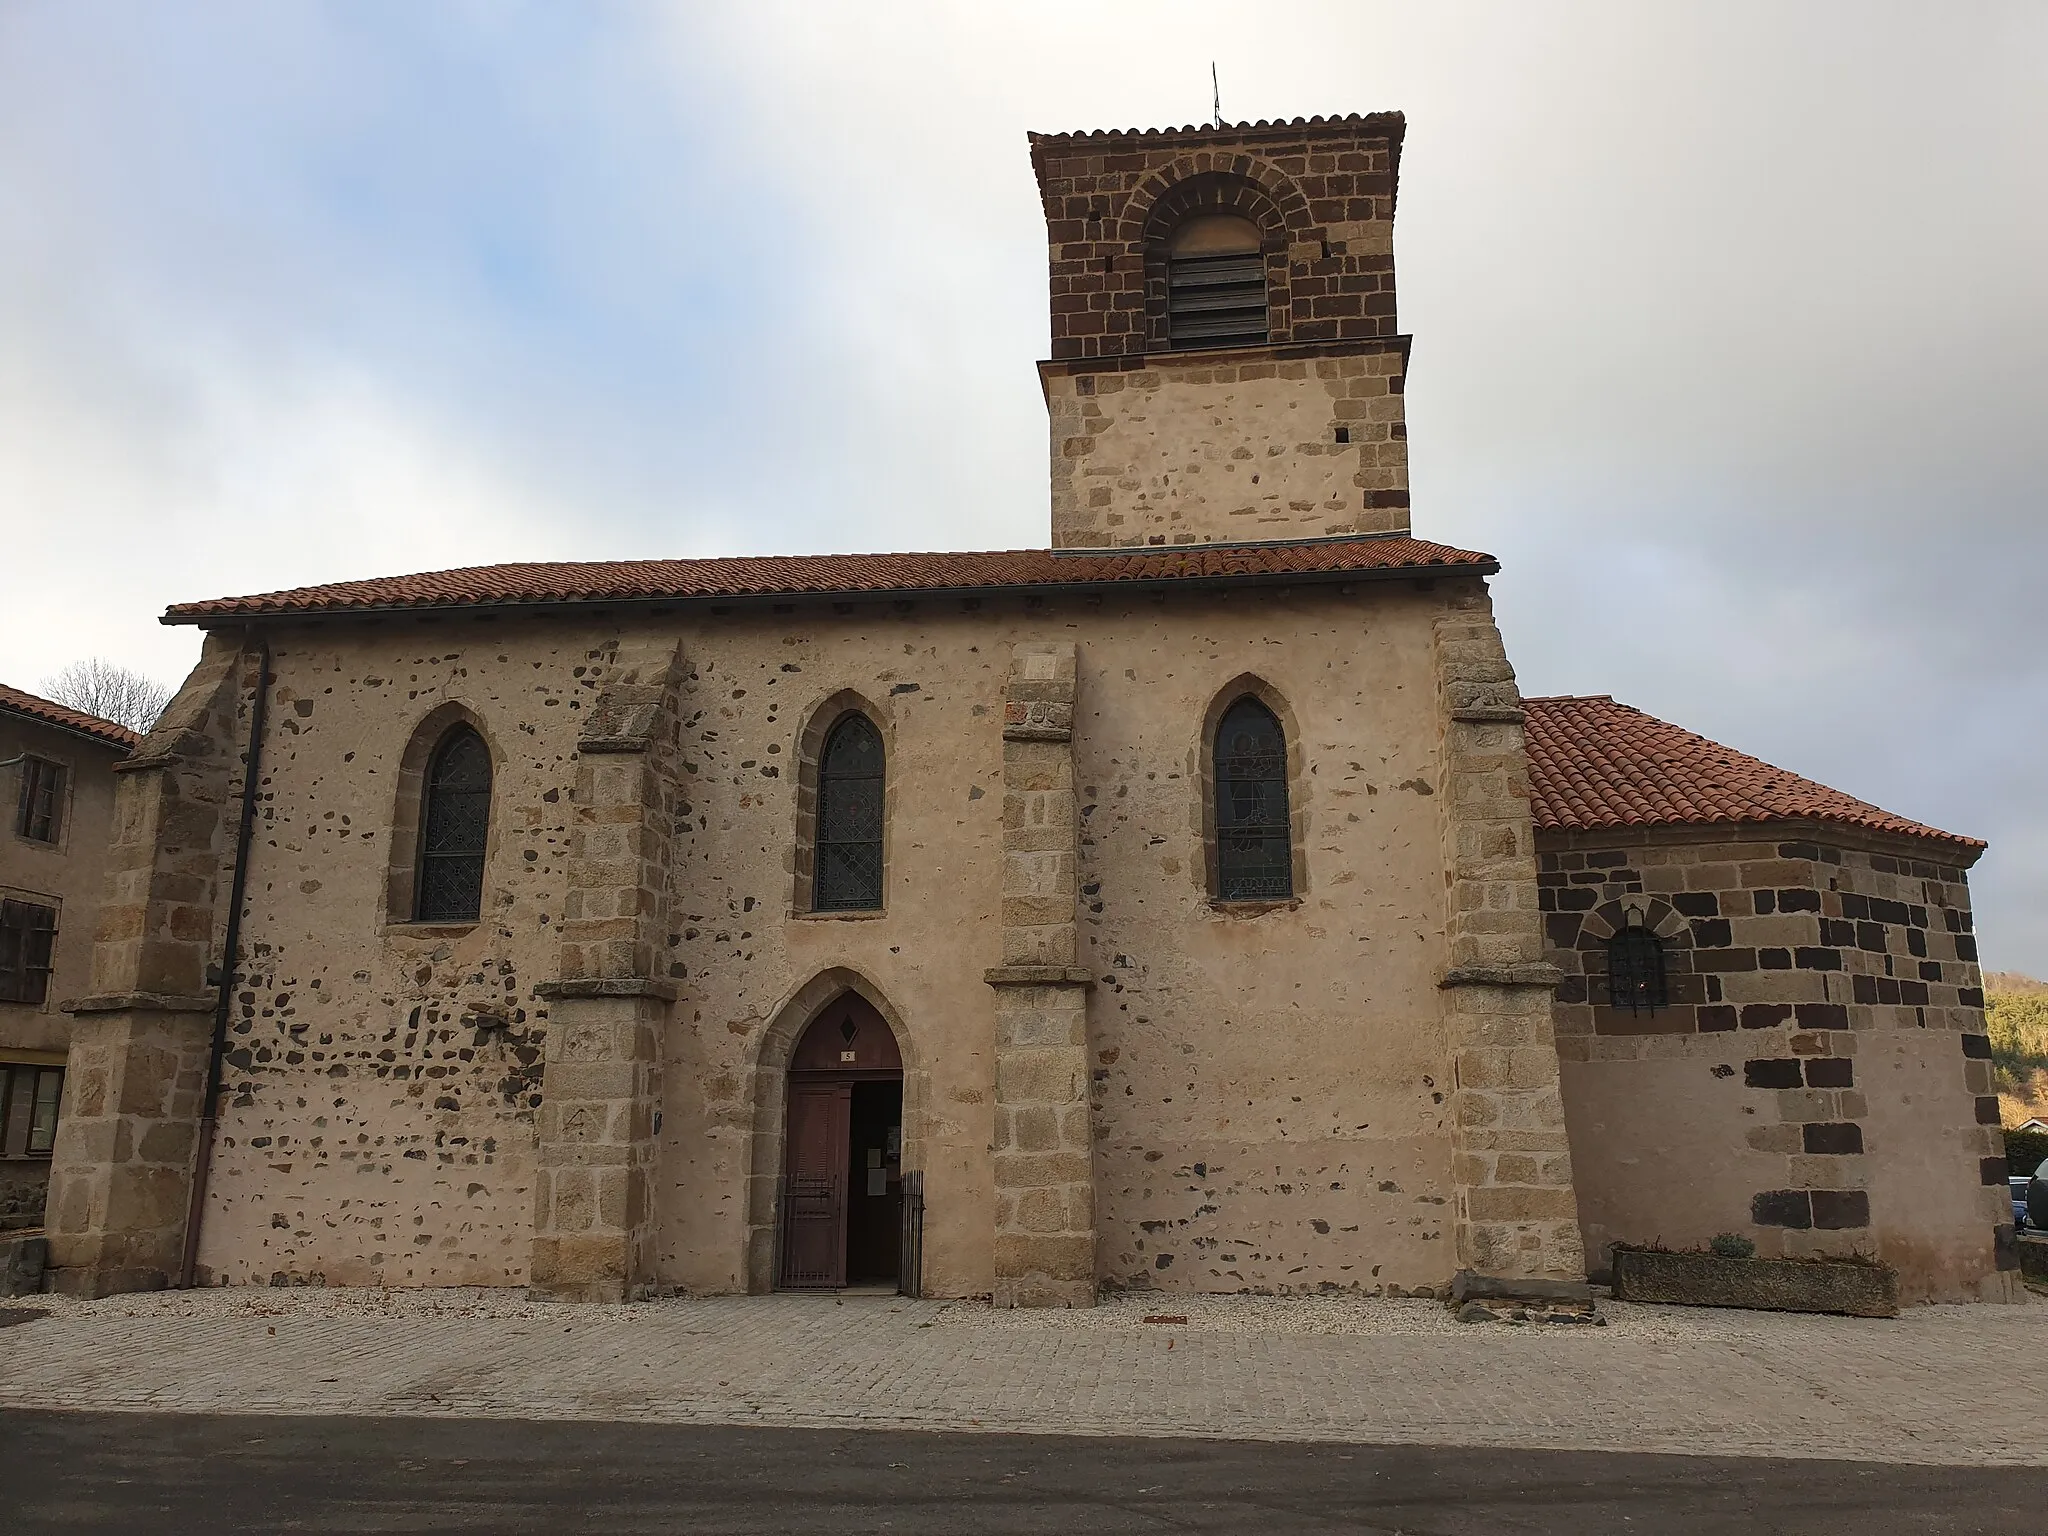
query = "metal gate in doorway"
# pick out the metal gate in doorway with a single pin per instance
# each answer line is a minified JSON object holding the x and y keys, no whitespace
{"x":910,"y":1260}
{"x":813,"y":1233}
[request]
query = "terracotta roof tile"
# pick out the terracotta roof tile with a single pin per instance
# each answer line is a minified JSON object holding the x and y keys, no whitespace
{"x":1394,"y":123}
{"x":69,"y":719}
{"x":842,"y":575}
{"x":1595,"y":764}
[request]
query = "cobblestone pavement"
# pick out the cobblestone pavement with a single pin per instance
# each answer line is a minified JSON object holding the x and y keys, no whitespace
{"x":1925,"y":1388}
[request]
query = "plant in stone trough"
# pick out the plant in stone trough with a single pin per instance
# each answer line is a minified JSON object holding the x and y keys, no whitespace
{"x":1732,"y":1245}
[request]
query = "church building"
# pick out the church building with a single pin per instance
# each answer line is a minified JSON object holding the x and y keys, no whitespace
{"x":1194,"y":904}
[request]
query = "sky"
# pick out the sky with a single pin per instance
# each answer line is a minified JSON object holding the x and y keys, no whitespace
{"x":1729,"y":322}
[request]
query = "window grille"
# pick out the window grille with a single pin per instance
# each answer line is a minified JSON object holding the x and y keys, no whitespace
{"x":42,"y":800}
{"x":455,"y":830}
{"x":27,"y":931}
{"x":1254,"y":843}
{"x":848,"y":843}
{"x":1216,"y":284}
{"x":1635,"y":970}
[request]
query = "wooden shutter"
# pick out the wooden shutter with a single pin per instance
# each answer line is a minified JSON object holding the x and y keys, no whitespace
{"x":42,"y":799}
{"x":1216,"y":301}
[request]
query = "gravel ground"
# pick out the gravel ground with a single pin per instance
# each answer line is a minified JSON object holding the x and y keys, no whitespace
{"x":1280,"y":1316}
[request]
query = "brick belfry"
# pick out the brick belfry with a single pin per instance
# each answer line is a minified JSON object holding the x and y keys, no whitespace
{"x":1225,"y":364}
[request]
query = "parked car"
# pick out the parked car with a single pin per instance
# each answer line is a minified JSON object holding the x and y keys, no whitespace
{"x":2037,"y":1201}
{"x":2021,"y":1205}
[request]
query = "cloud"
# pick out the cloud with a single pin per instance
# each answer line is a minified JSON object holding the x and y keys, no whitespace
{"x":1727,"y":321}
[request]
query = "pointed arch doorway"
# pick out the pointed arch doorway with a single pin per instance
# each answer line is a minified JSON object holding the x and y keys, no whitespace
{"x":842,"y":1162}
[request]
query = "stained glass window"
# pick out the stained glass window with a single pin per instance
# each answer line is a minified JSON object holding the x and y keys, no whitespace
{"x":848,"y":851}
{"x":1254,"y":849}
{"x":1635,"y":970}
{"x":457,"y":825}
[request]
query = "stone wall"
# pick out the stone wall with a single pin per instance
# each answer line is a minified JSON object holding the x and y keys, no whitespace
{"x":1273,"y":1080}
{"x":1268,"y":1090}
{"x":383,"y":1076}
{"x":1228,"y":447}
{"x":1322,"y":193}
{"x":1819,"y":1081}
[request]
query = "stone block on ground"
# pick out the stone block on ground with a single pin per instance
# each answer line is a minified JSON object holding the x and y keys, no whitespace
{"x":1775,"y":1285}
{"x":24,"y":1253}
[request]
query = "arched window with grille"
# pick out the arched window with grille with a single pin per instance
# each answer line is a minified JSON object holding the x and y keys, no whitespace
{"x":1635,"y":970}
{"x":847,"y":845}
{"x":1254,"y":842}
{"x":455,"y":827}
{"x":1215,"y":283}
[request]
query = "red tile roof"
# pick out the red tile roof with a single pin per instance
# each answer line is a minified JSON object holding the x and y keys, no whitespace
{"x":815,"y":576}
{"x":1394,"y":124}
{"x":49,"y":713}
{"x":1595,"y":764}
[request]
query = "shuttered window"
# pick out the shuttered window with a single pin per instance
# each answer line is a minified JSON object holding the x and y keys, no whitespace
{"x":1254,"y":843}
{"x":42,"y":800}
{"x":28,"y":930}
{"x":848,"y":844}
{"x":455,"y":830}
{"x":1216,"y":283}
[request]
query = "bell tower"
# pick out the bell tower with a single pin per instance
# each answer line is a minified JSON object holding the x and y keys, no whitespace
{"x":1226,"y":366}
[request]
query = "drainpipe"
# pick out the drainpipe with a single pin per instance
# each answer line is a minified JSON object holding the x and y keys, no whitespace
{"x":224,"y":998}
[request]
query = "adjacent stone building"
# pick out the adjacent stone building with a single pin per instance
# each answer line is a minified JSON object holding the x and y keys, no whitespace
{"x":1816,"y":1074}
{"x":58,"y":766}
{"x":1161,"y":908}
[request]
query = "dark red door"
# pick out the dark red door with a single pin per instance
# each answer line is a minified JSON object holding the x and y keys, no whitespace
{"x":814,"y":1186}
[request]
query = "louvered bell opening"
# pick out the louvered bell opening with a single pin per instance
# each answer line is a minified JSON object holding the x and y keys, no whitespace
{"x":1216,"y":301}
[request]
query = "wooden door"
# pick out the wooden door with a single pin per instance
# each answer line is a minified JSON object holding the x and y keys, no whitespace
{"x":814,"y":1186}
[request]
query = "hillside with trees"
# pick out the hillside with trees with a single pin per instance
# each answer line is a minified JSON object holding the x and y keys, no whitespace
{"x":2016,"y":1018}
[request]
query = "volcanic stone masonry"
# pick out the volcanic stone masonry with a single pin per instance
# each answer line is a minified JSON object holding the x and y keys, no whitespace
{"x":1824,"y":1037}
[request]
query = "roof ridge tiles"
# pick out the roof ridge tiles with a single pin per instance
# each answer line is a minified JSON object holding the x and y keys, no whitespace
{"x":1389,"y":118}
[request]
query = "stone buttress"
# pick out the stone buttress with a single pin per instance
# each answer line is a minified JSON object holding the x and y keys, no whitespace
{"x":122,"y":1168}
{"x":1517,"y":1222}
{"x":1044,"y":1181}
{"x":593,"y":1216}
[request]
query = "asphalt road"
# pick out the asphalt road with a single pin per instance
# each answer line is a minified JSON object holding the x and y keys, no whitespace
{"x":161,"y":1474}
